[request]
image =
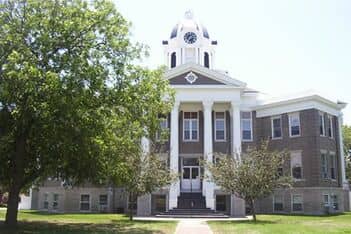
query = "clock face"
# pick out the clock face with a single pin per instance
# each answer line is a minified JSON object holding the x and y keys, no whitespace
{"x":190,"y":37}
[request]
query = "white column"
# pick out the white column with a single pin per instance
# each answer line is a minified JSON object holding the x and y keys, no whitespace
{"x":236,"y":139}
{"x":341,"y":154}
{"x":174,"y":190}
{"x":208,"y":187}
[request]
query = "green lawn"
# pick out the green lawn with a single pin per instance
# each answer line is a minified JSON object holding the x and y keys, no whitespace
{"x":38,"y":222}
{"x":287,"y":224}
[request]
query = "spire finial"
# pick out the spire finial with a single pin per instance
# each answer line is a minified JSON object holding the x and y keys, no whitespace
{"x":189,"y":14}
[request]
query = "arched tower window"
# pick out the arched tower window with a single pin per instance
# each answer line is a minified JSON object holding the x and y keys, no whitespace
{"x":206,"y":60}
{"x":173,"y":59}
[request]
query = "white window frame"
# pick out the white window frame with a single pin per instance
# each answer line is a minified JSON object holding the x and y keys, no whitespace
{"x":274,"y":203}
{"x":323,"y":123}
{"x":291,"y":166}
{"x":272,"y":127}
{"x":242,"y":129}
{"x":53,"y":201}
{"x":80,"y":202}
{"x":159,"y":133}
{"x":292,"y":203}
{"x":292,"y":115}
{"x":46,"y":200}
{"x":324,"y":203}
{"x":225,"y":126}
{"x":326,"y":165}
{"x":190,"y":125}
{"x":330,"y":120}
{"x":332,"y":156}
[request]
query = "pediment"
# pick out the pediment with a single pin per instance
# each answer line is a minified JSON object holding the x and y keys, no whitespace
{"x":194,"y":74}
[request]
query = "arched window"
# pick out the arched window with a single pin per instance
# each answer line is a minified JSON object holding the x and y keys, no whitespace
{"x":206,"y":60}
{"x":173,"y":59}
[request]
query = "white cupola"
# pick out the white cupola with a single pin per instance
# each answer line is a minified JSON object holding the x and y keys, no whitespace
{"x":189,"y":43}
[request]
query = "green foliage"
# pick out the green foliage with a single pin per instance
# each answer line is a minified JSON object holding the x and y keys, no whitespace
{"x":252,"y":177}
{"x":346,"y":131}
{"x":70,"y":97}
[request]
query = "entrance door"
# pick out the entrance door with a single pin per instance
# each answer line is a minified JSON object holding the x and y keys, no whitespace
{"x":191,"y":178}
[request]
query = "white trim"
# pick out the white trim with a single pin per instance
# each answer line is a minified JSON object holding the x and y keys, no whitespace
{"x":242,"y":129}
{"x":290,"y":116}
{"x":292,"y":203}
{"x":80,"y":201}
{"x":190,"y":124}
{"x":323,"y":124}
{"x":225,"y":126}
{"x":272,"y":127}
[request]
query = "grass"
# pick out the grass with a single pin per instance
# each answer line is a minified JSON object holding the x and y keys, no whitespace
{"x":268,"y":224}
{"x":40,"y":222}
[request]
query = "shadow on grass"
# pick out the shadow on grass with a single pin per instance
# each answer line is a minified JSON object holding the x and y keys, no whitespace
{"x":121,"y":226}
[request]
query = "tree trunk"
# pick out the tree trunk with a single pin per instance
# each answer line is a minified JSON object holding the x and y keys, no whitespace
{"x":253,"y":210}
{"x":130,"y":205}
{"x":12,"y":207}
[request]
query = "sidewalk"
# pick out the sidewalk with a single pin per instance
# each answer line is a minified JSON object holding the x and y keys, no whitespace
{"x":198,"y":226}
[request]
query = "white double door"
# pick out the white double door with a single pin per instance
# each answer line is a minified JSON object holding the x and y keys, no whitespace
{"x":191,"y":175}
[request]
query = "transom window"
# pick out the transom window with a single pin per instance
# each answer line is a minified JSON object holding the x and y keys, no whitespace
{"x":85,"y":202}
{"x":276,"y":127}
{"x":220,"y":133}
{"x":246,"y":126}
{"x":294,"y":124}
{"x":321,"y":124}
{"x":296,"y":165}
{"x":191,"y":126}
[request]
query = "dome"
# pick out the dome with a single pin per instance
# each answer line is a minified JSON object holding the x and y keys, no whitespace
{"x":190,"y":24}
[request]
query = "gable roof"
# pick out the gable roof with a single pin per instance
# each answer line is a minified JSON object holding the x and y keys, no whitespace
{"x":209,"y":73}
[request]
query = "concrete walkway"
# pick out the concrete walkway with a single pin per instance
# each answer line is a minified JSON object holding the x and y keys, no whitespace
{"x":188,"y":226}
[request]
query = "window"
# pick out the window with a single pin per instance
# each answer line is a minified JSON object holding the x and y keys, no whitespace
{"x":221,"y":203}
{"x":220,"y":134}
{"x":163,"y":127}
{"x":276,"y":127}
{"x":85,"y":202}
{"x":280,"y":172}
{"x":330,"y":126}
{"x":324,"y":166}
{"x":335,"y":203}
{"x":246,"y":126}
{"x":294,"y":124}
{"x":46,"y":201}
{"x":278,"y":203}
{"x":173,"y":59}
{"x":321,"y":124}
{"x":297,"y":202}
{"x":326,"y":201}
{"x":191,"y":126}
{"x":160,"y":203}
{"x":55,"y":201}
{"x":103,"y":200}
{"x":206,"y":60}
{"x":296,"y":165}
{"x":332,"y":166}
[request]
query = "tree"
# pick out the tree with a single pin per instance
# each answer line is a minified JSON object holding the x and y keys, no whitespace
{"x":70,"y":97}
{"x":346,"y":131}
{"x":252,"y":177}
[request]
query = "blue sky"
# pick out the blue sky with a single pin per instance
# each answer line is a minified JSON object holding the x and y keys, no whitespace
{"x":277,"y":47}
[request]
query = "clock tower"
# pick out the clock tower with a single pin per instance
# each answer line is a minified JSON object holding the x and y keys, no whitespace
{"x":189,"y":43}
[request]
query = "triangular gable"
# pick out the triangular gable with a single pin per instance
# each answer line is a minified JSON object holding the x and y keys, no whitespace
{"x":203,"y":76}
{"x":193,"y":78}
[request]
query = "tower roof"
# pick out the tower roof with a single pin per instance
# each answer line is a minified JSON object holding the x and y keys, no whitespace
{"x":189,"y":23}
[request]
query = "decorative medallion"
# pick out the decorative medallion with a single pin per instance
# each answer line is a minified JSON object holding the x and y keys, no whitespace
{"x":191,"y":77}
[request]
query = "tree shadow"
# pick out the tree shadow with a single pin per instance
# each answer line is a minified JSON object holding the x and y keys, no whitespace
{"x":122,"y":227}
